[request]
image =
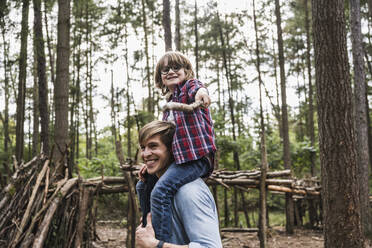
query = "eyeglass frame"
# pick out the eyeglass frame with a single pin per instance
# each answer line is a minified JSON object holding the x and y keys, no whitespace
{"x":175,"y":68}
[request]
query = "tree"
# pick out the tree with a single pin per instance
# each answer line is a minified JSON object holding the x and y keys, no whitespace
{"x":177,"y":35}
{"x":286,"y":144}
{"x":42,"y":82}
{"x":361,"y":124}
{"x":21,"y":97}
{"x":148,"y":74}
{"x":263,"y":189}
{"x":4,"y":12}
{"x":167,"y":25}
{"x":61,"y":137}
{"x":338,"y":157}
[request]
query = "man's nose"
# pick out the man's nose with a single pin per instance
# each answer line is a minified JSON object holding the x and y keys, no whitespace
{"x":146,"y":152}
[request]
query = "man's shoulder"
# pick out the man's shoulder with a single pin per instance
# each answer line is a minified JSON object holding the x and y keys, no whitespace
{"x":196,"y":190}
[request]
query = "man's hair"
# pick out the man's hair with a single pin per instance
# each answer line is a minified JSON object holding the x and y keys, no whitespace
{"x":165,"y":129}
{"x":172,"y":58}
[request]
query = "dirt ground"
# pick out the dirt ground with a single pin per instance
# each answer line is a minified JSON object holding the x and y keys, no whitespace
{"x":112,"y":236}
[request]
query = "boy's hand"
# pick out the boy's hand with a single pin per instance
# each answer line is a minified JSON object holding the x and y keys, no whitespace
{"x":202,"y":95}
{"x":142,"y":172}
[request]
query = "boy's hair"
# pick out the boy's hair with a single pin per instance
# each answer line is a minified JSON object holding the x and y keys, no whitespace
{"x":172,"y":58}
{"x":165,"y":129}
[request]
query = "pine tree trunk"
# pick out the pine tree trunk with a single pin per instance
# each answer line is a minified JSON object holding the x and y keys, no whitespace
{"x":286,"y":147}
{"x":167,"y":25}
{"x":177,"y":32}
{"x":6,"y":93}
{"x":129,"y":124}
{"x":310,"y":126}
{"x":361,"y":125}
{"x":43,"y":85}
{"x":62,"y":81}
{"x":21,"y":96}
{"x":196,"y":49}
{"x":148,"y":73}
{"x":35,"y":107}
{"x":226,"y":208}
{"x":232,"y":114}
{"x":338,"y":155}
{"x":262,"y":234}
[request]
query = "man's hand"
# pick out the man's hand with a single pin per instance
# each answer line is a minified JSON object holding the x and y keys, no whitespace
{"x":142,"y":172}
{"x":145,"y":236}
{"x":202,"y":96}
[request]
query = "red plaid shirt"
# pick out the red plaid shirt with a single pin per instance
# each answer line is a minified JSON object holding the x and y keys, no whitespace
{"x":194,"y":136}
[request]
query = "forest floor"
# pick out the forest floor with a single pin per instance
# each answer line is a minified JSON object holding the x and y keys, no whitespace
{"x":113,"y":236}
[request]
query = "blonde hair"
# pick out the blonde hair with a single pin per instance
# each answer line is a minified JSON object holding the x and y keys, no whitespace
{"x":165,"y":129}
{"x":172,"y":58}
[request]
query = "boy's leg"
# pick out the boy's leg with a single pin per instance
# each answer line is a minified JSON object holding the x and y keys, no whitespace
{"x":164,"y":191}
{"x":144,"y":191}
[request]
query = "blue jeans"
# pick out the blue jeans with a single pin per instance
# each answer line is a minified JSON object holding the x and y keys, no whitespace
{"x":157,"y":196}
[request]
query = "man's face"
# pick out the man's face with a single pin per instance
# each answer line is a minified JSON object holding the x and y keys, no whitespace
{"x":155,"y":155}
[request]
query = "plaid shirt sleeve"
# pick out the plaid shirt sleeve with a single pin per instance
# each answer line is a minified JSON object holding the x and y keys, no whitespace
{"x":194,"y":137}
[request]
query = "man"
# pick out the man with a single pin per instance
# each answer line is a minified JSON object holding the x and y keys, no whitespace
{"x":194,"y":213}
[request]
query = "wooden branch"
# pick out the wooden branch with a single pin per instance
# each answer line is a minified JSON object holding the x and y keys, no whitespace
{"x":240,"y":230}
{"x":26,"y":215}
{"x":44,"y":226}
{"x":293,"y":191}
{"x":181,"y":106}
{"x":128,"y":178}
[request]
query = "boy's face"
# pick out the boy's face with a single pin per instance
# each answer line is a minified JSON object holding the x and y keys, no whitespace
{"x":155,"y":155}
{"x":172,"y":75}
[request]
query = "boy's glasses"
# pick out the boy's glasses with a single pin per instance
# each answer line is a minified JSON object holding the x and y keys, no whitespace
{"x":175,"y":68}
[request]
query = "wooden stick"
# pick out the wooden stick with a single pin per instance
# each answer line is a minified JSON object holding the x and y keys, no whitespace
{"x":26,"y":215}
{"x":182,"y":107}
{"x":44,"y":226}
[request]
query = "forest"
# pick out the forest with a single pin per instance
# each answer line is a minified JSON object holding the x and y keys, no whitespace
{"x":290,"y":87}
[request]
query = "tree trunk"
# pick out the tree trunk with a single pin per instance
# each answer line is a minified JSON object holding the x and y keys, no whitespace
{"x":177,"y":33}
{"x":167,"y":25}
{"x":226,"y":207}
{"x":35,"y":107}
{"x":62,"y":81}
{"x":21,"y":97}
{"x":231,"y":108}
{"x":43,"y":86}
{"x":148,"y":73}
{"x":286,"y":145}
{"x":310,"y":126}
{"x":361,"y":124}
{"x":338,"y":156}
{"x":196,"y":49}
{"x":6,"y":91}
{"x":262,"y":233}
{"x":113,"y":112}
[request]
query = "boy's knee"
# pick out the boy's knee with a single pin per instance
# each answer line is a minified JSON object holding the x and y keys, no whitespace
{"x":140,"y":186}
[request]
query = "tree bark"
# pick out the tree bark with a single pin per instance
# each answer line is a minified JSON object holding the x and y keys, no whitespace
{"x":310,"y":126}
{"x":21,"y":97}
{"x":338,"y":156}
{"x":148,"y":73}
{"x":167,"y":25}
{"x":177,"y":33}
{"x":286,"y":146}
{"x":262,"y":233}
{"x":196,"y":49}
{"x":6,"y":90}
{"x":62,"y":81}
{"x":42,"y":82}
{"x":361,"y":124}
